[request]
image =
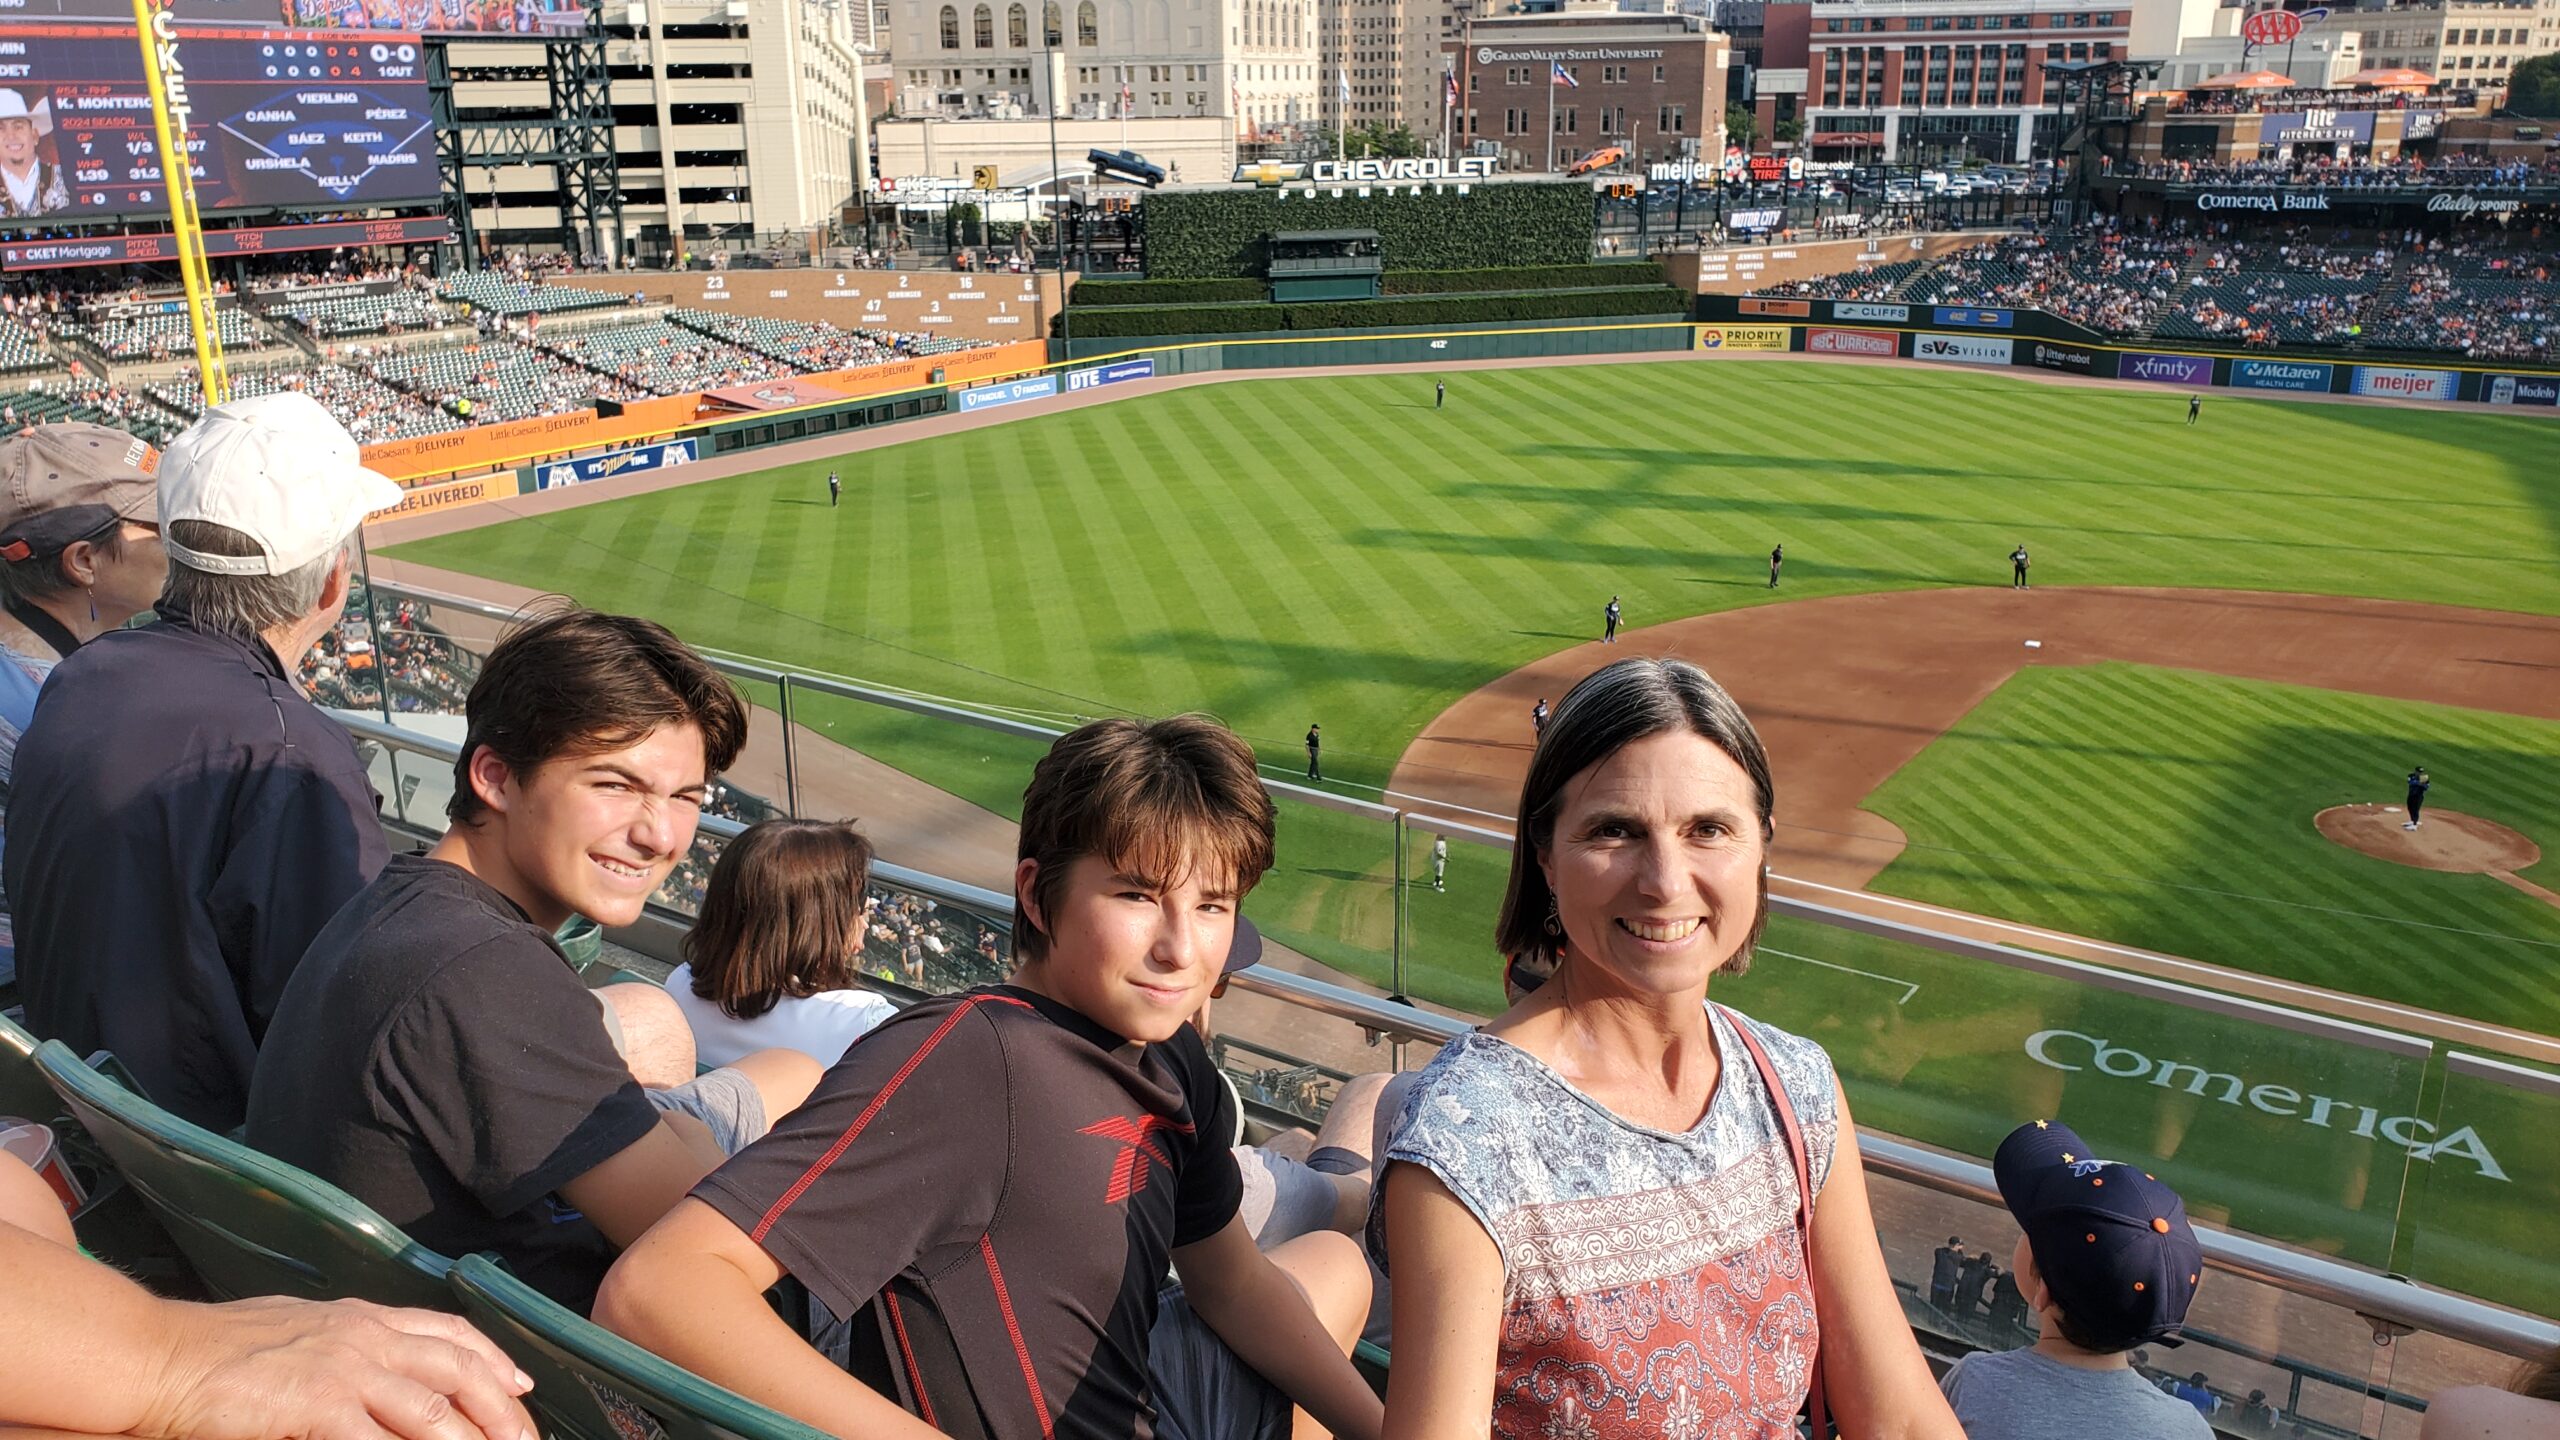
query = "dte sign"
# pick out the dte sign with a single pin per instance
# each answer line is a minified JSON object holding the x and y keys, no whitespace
{"x":2072,"y":1051}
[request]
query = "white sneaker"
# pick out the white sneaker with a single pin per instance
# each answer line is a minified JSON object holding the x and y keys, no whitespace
{"x":2412,"y":825}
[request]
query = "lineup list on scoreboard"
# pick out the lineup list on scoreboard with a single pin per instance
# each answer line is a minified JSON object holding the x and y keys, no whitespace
{"x":279,"y":117}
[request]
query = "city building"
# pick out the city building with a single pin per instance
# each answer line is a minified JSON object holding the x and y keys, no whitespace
{"x":1383,"y":61}
{"x":2474,"y":42}
{"x":1931,"y":80}
{"x":737,"y":123}
{"x":1193,"y":149}
{"x":1252,"y":62}
{"x":1653,"y":85}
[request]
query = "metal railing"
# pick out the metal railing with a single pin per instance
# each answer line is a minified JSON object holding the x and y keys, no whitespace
{"x":2383,"y":1300}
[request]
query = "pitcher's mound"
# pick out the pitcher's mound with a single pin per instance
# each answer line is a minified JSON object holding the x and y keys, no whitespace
{"x":2449,"y":840}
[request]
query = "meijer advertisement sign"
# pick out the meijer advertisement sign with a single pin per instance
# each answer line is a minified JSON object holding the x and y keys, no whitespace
{"x":2401,"y":382}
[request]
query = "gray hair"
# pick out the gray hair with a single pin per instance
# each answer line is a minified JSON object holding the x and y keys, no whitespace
{"x":245,"y":606}
{"x":1611,"y":708}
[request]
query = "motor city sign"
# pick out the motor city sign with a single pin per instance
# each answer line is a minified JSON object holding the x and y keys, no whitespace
{"x":2165,"y":369}
{"x":1964,"y":349}
{"x":1403,"y":171}
{"x":2079,"y":1053}
{"x":2281,"y":375}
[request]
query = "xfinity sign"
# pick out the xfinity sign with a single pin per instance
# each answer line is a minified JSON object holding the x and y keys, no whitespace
{"x":2165,"y":369}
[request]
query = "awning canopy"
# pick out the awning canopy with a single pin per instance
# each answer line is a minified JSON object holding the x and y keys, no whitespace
{"x":2248,"y":80}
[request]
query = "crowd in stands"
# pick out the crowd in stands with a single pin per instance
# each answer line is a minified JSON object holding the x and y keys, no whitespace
{"x":2454,"y":172}
{"x":371,"y":410}
{"x":2108,"y":281}
{"x":660,"y":357}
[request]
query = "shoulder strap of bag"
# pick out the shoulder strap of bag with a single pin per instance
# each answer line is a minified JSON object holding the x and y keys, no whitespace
{"x":1815,"y":1408}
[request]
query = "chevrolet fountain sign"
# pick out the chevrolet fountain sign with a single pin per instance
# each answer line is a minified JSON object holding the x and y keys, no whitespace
{"x":1393,"y":172}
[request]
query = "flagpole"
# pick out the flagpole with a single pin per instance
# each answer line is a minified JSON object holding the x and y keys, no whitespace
{"x":1551,"y":115}
{"x":1342,"y":104}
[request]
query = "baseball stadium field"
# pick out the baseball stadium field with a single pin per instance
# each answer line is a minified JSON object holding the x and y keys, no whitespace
{"x":2238,"y":626}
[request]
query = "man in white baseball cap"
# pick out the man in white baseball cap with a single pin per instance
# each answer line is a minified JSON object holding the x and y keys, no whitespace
{"x":28,"y":186}
{"x":183,"y":821}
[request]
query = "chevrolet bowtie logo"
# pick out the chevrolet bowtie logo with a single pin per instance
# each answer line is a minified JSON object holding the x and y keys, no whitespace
{"x":1138,"y":1145}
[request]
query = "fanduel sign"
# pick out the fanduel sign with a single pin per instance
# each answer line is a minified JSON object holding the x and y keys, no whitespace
{"x":1428,"y":167}
{"x":2262,"y":200}
{"x":2072,"y":1051}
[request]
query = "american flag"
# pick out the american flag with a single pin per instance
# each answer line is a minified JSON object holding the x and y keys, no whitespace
{"x":1449,"y":79}
{"x":1565,"y":77}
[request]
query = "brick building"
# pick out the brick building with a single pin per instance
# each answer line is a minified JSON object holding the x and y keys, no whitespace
{"x":1653,"y":84}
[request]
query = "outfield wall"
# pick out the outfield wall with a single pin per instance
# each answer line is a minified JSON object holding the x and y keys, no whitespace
{"x":2002,"y":338}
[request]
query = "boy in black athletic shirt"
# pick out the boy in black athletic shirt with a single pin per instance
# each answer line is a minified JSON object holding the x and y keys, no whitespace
{"x":990,"y":1186}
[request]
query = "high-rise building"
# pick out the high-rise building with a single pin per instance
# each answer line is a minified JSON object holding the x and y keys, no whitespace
{"x":1931,"y":80}
{"x":1547,"y":89}
{"x":735,"y":122}
{"x":1251,"y":61}
{"x":2462,"y":42}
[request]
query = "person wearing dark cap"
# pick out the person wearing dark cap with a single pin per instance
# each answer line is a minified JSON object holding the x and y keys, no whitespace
{"x":79,"y":556}
{"x":1945,"y":1264}
{"x":2108,"y":1261}
{"x":2418,"y":783}
{"x":1315,"y":752}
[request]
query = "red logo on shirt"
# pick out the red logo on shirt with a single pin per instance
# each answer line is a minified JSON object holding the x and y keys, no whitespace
{"x":1138,"y":1145}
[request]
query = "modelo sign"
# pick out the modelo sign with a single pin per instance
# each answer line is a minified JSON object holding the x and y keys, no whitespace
{"x":1964,"y":349}
{"x":2165,"y":369}
{"x":2400,"y":382}
{"x":2521,"y":390}
{"x":1883,"y":344}
{"x":2281,"y":375}
{"x":2063,"y":357}
{"x":1883,"y":314}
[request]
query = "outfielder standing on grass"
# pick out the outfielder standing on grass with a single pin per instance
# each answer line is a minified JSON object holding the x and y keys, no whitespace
{"x":2195,"y":407}
{"x":1777,"y":557}
{"x":1439,"y":394}
{"x":2418,"y":783}
{"x":2018,"y":567}
{"x":1609,"y":622}
{"x":835,"y":487}
{"x":1315,"y":752}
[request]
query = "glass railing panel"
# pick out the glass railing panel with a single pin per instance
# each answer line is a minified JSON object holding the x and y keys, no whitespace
{"x":2480,"y":1220}
{"x":1449,"y":956}
{"x":2261,"y":1126}
{"x":932,"y":794}
{"x":1329,"y":899}
{"x":1294,"y":1060}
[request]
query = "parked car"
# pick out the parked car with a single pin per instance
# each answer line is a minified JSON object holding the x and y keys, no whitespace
{"x":1600,"y":159}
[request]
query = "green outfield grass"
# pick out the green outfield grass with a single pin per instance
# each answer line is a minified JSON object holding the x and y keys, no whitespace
{"x":2172,"y":810}
{"x":1280,"y":551}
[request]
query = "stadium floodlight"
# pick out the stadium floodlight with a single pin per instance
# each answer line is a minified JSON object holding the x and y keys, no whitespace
{"x":1126,"y":165}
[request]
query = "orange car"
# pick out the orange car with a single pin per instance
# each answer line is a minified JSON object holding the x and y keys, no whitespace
{"x":1600,"y":159}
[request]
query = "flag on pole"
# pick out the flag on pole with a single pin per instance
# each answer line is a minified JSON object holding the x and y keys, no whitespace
{"x":1564,"y":77}
{"x":1124,"y":92}
{"x":1449,"y":81}
{"x":1342,"y":84}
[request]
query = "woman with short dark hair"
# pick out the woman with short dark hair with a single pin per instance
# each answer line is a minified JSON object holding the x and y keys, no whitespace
{"x":771,"y":961}
{"x":1619,"y":1210}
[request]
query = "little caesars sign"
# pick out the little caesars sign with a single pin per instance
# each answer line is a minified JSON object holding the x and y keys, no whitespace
{"x":2070,"y":1050}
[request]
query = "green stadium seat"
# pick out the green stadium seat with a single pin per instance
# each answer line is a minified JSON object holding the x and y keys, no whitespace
{"x":591,"y":1384}
{"x":249,"y":1225}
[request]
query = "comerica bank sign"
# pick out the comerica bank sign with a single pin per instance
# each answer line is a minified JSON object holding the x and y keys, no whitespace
{"x":2073,"y":1051}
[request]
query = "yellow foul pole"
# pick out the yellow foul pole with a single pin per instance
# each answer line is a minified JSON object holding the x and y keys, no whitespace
{"x":156,"y":27}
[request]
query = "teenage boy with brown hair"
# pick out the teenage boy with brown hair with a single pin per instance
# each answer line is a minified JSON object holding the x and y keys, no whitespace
{"x":989,"y":1187}
{"x":436,"y":1056}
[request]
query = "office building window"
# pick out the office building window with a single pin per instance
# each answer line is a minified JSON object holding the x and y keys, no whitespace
{"x":950,"y":27}
{"x":985,"y":28}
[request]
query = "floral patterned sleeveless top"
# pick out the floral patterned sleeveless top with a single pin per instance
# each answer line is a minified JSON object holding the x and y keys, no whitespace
{"x":1654,"y":1283}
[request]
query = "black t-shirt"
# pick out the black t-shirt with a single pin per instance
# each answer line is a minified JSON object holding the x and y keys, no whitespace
{"x":991,"y":1186}
{"x":436,"y":1057}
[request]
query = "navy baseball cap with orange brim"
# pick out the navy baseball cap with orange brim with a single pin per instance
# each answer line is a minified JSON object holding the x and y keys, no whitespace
{"x":2111,"y":1240}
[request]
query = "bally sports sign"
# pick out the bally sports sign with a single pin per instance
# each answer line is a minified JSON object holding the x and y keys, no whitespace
{"x":2072,"y":1051}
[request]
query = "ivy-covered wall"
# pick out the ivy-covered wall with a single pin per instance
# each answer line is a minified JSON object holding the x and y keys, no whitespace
{"x":1210,"y":234}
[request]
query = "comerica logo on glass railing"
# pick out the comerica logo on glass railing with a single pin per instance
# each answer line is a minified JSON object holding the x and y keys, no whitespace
{"x":2069,"y":1049}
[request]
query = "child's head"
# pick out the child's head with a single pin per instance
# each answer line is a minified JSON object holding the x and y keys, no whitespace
{"x":1139,"y":841}
{"x":590,"y":745}
{"x":2106,"y":1254}
{"x":782,"y":916}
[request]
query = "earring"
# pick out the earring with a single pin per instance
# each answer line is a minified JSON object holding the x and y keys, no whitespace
{"x":93,"y":605}
{"x":1555,"y":918}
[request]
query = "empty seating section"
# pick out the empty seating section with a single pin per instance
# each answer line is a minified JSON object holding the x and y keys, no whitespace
{"x":504,"y":379}
{"x":815,"y":345}
{"x":335,"y":315}
{"x":21,"y":349}
{"x":1878,"y":282}
{"x":498,"y":295}
{"x":660,"y":357}
{"x":371,"y":410}
{"x":165,"y":335}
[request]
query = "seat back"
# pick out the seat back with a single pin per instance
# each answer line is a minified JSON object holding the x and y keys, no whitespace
{"x":23,"y":1092}
{"x":250,"y":1225}
{"x":591,"y":1384}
